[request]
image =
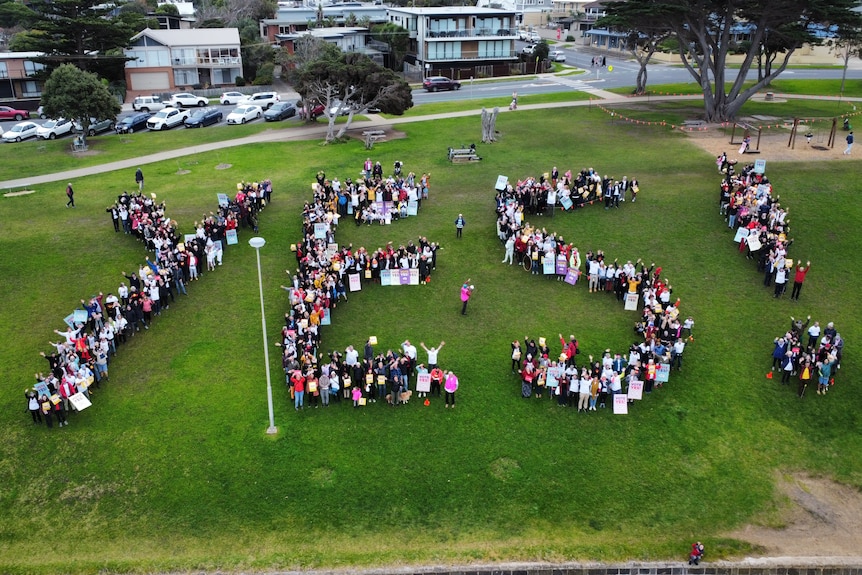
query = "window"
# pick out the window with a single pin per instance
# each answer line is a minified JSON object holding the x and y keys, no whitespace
{"x":4,"y":73}
{"x":183,"y":57}
{"x":185,"y":77}
{"x":225,"y":75}
{"x":31,"y":89}
{"x":30,"y":68}
{"x":444,"y":50}
{"x":495,"y":49}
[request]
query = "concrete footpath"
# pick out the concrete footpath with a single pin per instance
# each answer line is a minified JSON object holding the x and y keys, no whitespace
{"x":313,"y":131}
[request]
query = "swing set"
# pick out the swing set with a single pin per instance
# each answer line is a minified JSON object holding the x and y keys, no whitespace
{"x":791,"y":143}
{"x":746,"y":130}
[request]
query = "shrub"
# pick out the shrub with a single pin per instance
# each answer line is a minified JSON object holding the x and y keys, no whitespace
{"x":239,"y":81}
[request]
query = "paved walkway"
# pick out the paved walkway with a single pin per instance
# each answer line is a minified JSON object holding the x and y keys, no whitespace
{"x":312,"y":131}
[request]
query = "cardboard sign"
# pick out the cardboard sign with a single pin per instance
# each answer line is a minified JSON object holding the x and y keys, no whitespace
{"x":188,"y":238}
{"x":386,"y":277}
{"x":636,"y":390}
{"x":325,"y":317}
{"x":662,"y":374}
{"x":502,"y":182}
{"x":566,"y":203}
{"x":412,"y":208}
{"x":231,"y":237}
{"x":372,"y":340}
{"x":740,"y":233}
{"x":79,"y":401}
{"x":552,"y":198}
{"x":621,"y":404}
{"x":423,"y":383}
{"x":562,"y":265}
{"x":549,"y":267}
{"x":404,"y":277}
{"x":354,"y":282}
{"x":320,"y":230}
{"x":754,"y":243}
{"x":79,"y":316}
{"x":759,"y":166}
{"x":631,"y":302}
{"x":69,"y":320}
{"x":414,"y":276}
{"x":571,"y":276}
{"x":41,"y":388}
{"x":222,"y":200}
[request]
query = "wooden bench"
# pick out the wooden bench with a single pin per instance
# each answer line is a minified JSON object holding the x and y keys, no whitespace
{"x":462,"y":155}
{"x":373,"y":136}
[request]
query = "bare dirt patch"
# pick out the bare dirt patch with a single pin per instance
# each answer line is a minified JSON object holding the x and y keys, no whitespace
{"x":20,"y":193}
{"x":773,"y":143}
{"x":820,"y":519}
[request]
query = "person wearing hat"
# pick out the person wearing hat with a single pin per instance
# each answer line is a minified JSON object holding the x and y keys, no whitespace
{"x":466,"y":292}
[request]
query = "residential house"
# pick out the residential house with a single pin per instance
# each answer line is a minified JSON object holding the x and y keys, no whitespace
{"x":167,"y":60}
{"x":457,"y":36}
{"x":347,"y":38}
{"x":18,"y":76}
{"x":296,"y":19}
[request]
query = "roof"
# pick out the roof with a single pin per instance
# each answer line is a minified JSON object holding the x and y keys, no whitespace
{"x":20,"y":55}
{"x":192,"y":37}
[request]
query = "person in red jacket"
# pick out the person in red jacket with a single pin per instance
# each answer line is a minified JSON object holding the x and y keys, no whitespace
{"x":798,"y":278}
{"x":696,"y":553}
{"x":570,"y":348}
{"x":297,"y":383}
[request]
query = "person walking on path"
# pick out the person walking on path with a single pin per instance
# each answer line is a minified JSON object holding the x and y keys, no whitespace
{"x":849,"y":144}
{"x":459,"y":225}
{"x":139,"y":179}
{"x":70,"y":193}
{"x":798,"y":278}
{"x":466,"y":292}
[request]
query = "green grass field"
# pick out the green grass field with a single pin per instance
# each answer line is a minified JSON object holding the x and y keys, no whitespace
{"x":171,"y":470}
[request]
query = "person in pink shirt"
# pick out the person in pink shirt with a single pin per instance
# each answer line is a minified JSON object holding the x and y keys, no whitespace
{"x":466,"y":292}
{"x":450,"y":387}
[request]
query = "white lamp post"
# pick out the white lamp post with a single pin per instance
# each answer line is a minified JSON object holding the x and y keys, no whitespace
{"x":257,"y":243}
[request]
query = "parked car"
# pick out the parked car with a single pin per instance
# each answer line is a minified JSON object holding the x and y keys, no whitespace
{"x":230,"y":98}
{"x":528,"y":49}
{"x":205,"y":117}
{"x":263,"y":99}
{"x":7,"y":113}
{"x":557,"y":56}
{"x":435,"y":83}
{"x":243,"y":114}
{"x":528,"y":36}
{"x":133,"y":123}
{"x":280,"y":111}
{"x":315,"y":111}
{"x":53,"y":128}
{"x":148,"y":104}
{"x":20,"y":131}
{"x":96,"y":126}
{"x":337,"y":109}
{"x":186,"y":100}
{"x":40,"y":111}
{"x":167,"y":118}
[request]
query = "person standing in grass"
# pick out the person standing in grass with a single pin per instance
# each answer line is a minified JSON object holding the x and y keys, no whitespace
{"x":466,"y":292}
{"x":798,"y":278}
{"x":70,"y":193}
{"x":139,"y":179}
{"x":450,"y":387}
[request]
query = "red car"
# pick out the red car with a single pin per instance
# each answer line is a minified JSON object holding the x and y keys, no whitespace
{"x":315,"y":112}
{"x":7,"y":113}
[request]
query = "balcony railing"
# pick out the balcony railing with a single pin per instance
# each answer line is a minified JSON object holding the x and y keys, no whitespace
{"x":474,"y":33}
{"x":475,"y":55}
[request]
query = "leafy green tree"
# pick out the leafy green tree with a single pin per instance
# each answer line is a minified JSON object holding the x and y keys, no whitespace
{"x":357,"y":82}
{"x":398,"y":39}
{"x":76,"y":94}
{"x":13,"y":13}
{"x":846,"y":43}
{"x":704,"y":29}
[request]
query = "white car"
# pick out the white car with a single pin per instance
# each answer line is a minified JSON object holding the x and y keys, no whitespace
{"x":557,"y":56}
{"x":231,"y":98}
{"x":338,"y":109}
{"x":262,"y":99}
{"x":167,"y":118}
{"x":20,"y":131}
{"x":53,"y":128}
{"x":186,"y":100}
{"x":243,"y":114}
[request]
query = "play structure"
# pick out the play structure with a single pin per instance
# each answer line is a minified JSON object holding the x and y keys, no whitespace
{"x":818,"y":137}
{"x":745,"y":143}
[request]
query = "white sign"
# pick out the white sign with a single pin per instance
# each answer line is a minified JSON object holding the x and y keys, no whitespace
{"x":79,"y":401}
{"x":636,"y":390}
{"x":355,"y":284}
{"x":423,"y":383}
{"x":631,"y":302}
{"x":621,"y":404}
{"x":759,"y":166}
{"x":502,"y":182}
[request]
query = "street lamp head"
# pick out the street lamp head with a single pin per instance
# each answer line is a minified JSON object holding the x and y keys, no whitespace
{"x":257,"y":242}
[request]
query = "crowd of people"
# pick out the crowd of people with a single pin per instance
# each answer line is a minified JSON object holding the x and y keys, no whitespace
{"x":808,"y":352}
{"x":663,"y":334}
{"x":761,"y":226}
{"x":79,"y":360}
{"x":534,"y":196}
{"x":326,"y":273}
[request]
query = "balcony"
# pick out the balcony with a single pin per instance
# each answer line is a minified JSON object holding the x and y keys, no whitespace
{"x":474,"y":55}
{"x":474,"y":33}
